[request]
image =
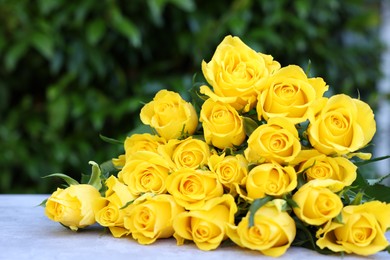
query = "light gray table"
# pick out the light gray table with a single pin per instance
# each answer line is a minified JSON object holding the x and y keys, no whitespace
{"x":26,"y":233}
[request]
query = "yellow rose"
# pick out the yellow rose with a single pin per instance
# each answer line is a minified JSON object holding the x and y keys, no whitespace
{"x":317,"y":203}
{"x":222,"y":125}
{"x":206,"y":226}
{"x":145,"y":172}
{"x":361,"y":232}
{"x":289,"y":93}
{"x":151,"y":217}
{"x":72,"y":207}
{"x":272,"y":233}
{"x":191,"y":188}
{"x":277,"y":140}
{"x":170,"y":115}
{"x":231,"y":170}
{"x":142,"y":142}
{"x":315,"y":165}
{"x":107,"y":210}
{"x":341,"y":125}
{"x":119,"y":162}
{"x":270,"y":179}
{"x":235,"y":71}
{"x":190,"y":152}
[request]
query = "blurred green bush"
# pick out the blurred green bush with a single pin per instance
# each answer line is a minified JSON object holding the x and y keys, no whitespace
{"x":71,"y":70}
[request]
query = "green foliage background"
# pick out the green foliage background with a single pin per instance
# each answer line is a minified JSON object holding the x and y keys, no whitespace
{"x":71,"y":70}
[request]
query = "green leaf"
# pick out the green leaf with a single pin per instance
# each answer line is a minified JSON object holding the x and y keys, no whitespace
{"x":44,"y":44}
{"x":66,"y":178}
{"x":95,"y":179}
{"x":378,"y":192}
{"x":47,"y":6}
{"x":14,"y":54}
{"x":156,"y":8}
{"x":256,"y":204}
{"x":378,"y":180}
{"x":85,"y":178}
{"x":95,"y":31}
{"x":126,"y":27}
{"x":142,"y":129}
{"x":359,"y":183}
{"x":306,"y":237}
{"x":250,"y":125}
{"x":361,"y":163}
{"x":197,"y":98}
{"x":186,"y":5}
{"x":58,"y":112}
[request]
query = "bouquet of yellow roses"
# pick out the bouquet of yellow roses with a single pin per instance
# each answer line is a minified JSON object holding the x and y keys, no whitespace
{"x":260,"y":157}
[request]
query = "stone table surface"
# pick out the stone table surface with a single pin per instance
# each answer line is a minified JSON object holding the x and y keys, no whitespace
{"x":26,"y":233}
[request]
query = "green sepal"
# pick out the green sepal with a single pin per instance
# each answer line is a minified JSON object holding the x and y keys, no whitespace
{"x":307,"y":72}
{"x":250,"y":125}
{"x":256,"y":204}
{"x":67,"y":227}
{"x":291,"y":203}
{"x":339,"y":218}
{"x":308,"y":167}
{"x":127,"y":204}
{"x":43,"y":203}
{"x":358,"y":198}
{"x":286,"y":206}
{"x":66,"y":178}
{"x":345,"y":195}
{"x":107,"y":167}
{"x":301,"y":180}
{"x":95,"y":179}
{"x":110,"y":140}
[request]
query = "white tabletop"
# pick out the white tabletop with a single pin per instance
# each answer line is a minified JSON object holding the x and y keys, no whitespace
{"x":26,"y":233}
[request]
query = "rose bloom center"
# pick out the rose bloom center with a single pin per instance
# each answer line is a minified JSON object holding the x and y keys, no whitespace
{"x":201,"y":232}
{"x":277,"y":142}
{"x":147,"y":180}
{"x":191,"y":185}
{"x":227,"y":172}
{"x":286,"y":91}
{"x":325,"y":205}
{"x":111,"y":214}
{"x":319,"y":172}
{"x":143,"y":218}
{"x":188,"y":158}
{"x":260,"y":233}
{"x":337,"y":122}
